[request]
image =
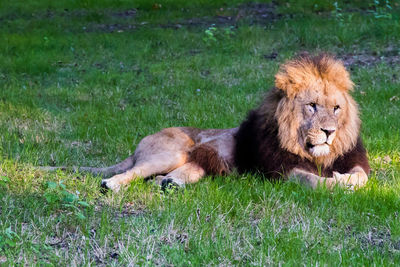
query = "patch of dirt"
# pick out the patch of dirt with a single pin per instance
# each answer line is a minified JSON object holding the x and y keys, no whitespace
{"x":131,"y":209}
{"x":368,"y":60}
{"x":389,"y":56}
{"x":252,"y":13}
{"x":365,"y":58}
{"x":378,"y":239}
{"x":271,"y":56}
{"x":130,"y":13}
{"x":109,"y":27}
{"x":259,"y":12}
{"x":175,"y":236}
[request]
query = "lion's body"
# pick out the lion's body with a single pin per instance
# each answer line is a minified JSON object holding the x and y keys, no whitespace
{"x":307,"y":128}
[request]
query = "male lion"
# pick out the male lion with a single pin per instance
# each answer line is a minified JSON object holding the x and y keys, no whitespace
{"x":307,"y":128}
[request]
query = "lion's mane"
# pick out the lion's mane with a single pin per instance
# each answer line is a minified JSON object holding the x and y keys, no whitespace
{"x":268,"y":139}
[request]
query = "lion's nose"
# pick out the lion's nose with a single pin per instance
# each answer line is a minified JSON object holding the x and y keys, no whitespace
{"x":328,"y":132}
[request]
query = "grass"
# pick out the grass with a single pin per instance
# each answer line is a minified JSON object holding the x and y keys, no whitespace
{"x":82,"y":86}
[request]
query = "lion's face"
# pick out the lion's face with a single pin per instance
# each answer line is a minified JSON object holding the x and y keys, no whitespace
{"x":317,"y":117}
{"x":321,"y":116}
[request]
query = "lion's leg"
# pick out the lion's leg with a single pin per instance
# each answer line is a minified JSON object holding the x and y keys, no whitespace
{"x":311,"y":179}
{"x":356,"y":177}
{"x":158,"y":153}
{"x":186,"y":174}
{"x":155,"y":164}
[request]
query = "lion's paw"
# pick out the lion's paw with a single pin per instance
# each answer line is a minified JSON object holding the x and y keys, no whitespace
{"x":171,"y":183}
{"x":348,"y":180}
{"x":110,"y":184}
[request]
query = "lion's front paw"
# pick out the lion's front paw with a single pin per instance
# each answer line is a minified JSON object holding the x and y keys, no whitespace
{"x":111,"y":184}
{"x":350,"y":180}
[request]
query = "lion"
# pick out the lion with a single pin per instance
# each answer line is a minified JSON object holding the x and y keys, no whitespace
{"x":306,"y":129}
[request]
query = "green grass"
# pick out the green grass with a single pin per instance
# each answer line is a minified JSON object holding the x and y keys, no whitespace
{"x":82,"y":86}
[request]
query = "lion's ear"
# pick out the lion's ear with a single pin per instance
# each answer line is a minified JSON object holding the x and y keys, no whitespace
{"x":337,"y":74}
{"x":292,"y":77}
{"x":281,"y":81}
{"x":284,"y":82}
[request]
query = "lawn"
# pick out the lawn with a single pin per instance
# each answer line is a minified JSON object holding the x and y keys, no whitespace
{"x":81,"y":82}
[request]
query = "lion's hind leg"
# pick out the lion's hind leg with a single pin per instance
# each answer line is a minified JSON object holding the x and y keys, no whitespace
{"x":154,"y":164}
{"x":204,"y":160}
{"x":159,"y":153}
{"x":188,"y":173}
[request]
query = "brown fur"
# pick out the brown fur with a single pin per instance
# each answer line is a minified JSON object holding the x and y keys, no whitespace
{"x":208,"y":158}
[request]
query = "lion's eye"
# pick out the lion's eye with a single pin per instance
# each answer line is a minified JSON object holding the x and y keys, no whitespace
{"x":313,"y":105}
{"x":336,"y":107}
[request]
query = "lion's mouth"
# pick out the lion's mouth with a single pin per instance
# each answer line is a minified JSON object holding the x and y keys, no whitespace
{"x":318,"y":150}
{"x":309,"y":145}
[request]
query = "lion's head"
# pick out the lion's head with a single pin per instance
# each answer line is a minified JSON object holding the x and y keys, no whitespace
{"x":317,"y":118}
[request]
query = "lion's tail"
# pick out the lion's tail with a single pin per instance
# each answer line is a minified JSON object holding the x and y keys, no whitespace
{"x":104,"y":172}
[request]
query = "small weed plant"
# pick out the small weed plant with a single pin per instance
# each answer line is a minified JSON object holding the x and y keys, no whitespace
{"x":56,"y":194}
{"x":4,"y":180}
{"x":337,"y":13}
{"x":381,"y":9}
{"x":214,"y":34}
{"x":8,"y":239}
